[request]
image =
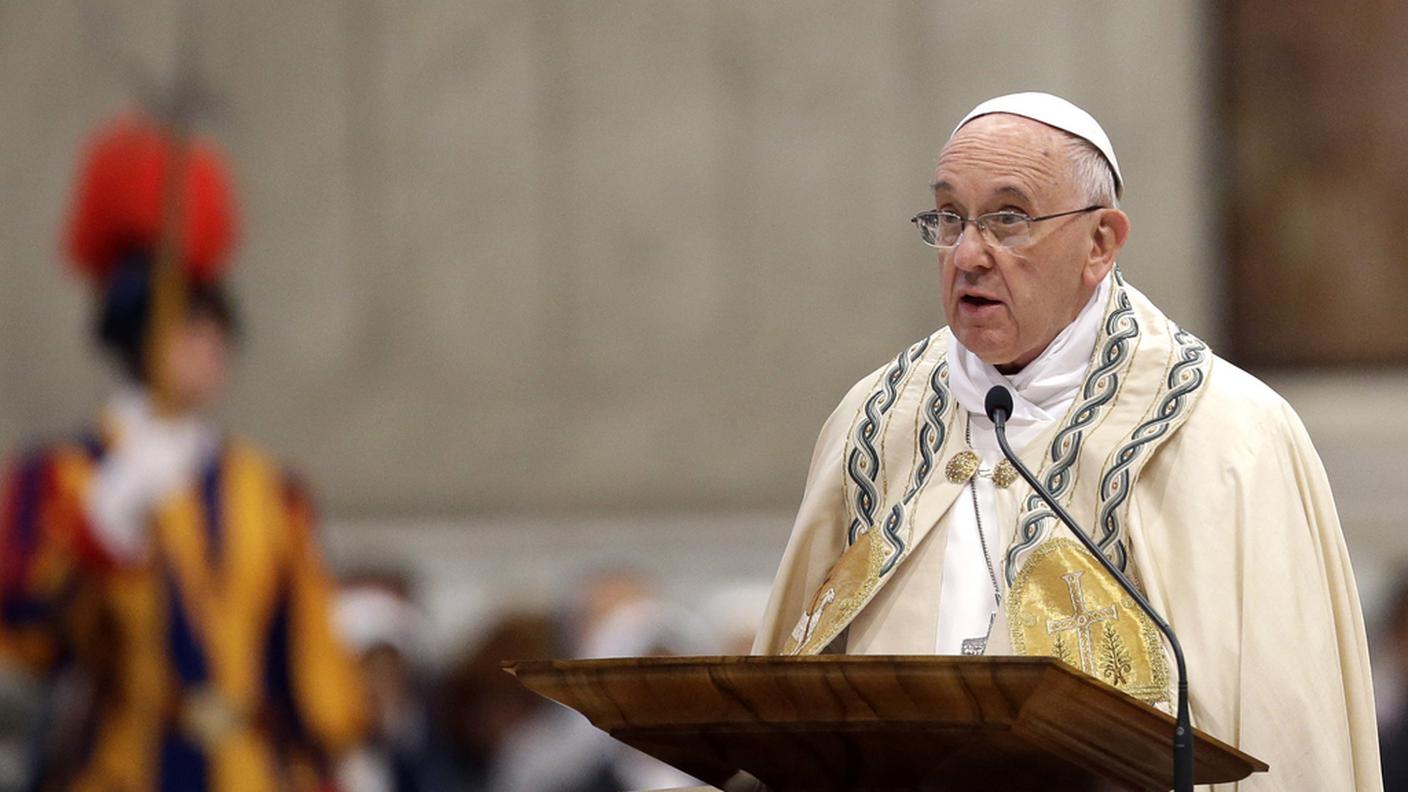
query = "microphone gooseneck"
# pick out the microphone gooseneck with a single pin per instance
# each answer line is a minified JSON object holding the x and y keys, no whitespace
{"x":998,"y":405}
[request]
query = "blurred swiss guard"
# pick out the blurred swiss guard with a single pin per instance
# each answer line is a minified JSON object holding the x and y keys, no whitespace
{"x":160,"y":572}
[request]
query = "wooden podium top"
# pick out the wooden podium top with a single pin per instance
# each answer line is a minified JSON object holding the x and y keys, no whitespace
{"x":842,"y":722}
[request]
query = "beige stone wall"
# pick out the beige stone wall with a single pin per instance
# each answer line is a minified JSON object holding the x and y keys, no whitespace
{"x":607,"y":256}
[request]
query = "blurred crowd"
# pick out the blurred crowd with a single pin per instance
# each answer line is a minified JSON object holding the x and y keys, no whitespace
{"x":1393,"y":693}
{"x":470,"y":726}
{"x":460,"y":723}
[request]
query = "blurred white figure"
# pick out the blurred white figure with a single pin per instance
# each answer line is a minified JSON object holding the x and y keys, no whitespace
{"x":560,"y":751}
{"x":383,"y":628}
{"x":1393,"y":721}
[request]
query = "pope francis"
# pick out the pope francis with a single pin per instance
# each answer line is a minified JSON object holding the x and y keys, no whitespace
{"x":915,"y":537}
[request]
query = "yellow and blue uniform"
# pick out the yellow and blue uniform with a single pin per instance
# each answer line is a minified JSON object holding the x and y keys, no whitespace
{"x":213,"y":661}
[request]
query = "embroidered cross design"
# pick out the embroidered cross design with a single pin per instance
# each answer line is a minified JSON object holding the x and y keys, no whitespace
{"x":1081,"y":620}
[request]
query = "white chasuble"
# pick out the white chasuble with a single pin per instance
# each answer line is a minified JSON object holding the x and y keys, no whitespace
{"x":1188,"y":473}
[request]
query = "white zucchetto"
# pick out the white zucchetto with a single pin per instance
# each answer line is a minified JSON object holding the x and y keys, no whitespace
{"x":1054,"y":112}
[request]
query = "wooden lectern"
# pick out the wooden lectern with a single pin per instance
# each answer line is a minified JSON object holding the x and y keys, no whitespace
{"x":839,"y":722}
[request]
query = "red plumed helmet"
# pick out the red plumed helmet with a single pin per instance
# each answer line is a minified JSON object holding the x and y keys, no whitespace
{"x":117,"y":207}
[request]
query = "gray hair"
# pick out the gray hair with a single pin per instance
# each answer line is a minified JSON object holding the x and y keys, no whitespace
{"x":1091,"y":173}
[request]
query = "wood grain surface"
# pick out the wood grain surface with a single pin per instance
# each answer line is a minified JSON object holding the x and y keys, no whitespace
{"x":813,"y":724}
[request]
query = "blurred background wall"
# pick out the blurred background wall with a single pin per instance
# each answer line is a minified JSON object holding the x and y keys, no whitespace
{"x":532,"y":286}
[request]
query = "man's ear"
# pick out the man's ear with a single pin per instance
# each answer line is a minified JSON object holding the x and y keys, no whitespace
{"x":1106,"y":240}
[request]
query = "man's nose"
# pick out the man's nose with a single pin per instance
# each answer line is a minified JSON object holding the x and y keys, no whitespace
{"x":971,"y":252}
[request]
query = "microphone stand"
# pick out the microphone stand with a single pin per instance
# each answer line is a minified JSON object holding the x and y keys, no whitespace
{"x":1183,"y":731}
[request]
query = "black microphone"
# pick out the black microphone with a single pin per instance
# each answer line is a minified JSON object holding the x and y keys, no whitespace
{"x":998,"y":405}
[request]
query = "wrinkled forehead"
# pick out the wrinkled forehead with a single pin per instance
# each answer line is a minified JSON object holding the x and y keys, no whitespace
{"x":1004,"y":153}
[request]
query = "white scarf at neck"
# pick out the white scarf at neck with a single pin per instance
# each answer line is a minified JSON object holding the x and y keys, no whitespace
{"x":1044,"y":388}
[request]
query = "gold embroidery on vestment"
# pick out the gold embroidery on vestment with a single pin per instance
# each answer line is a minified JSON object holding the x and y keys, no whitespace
{"x":1065,"y":605}
{"x":961,"y":467}
{"x":965,"y":464}
{"x":847,"y":588}
{"x":1004,"y":475}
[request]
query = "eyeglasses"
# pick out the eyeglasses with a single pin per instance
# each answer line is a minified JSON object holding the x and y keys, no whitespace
{"x":1006,"y":228}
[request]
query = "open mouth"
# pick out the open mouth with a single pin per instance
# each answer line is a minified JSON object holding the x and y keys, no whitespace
{"x":975,"y":301}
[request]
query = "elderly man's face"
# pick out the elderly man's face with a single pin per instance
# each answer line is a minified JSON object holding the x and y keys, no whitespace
{"x":1007,"y":304}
